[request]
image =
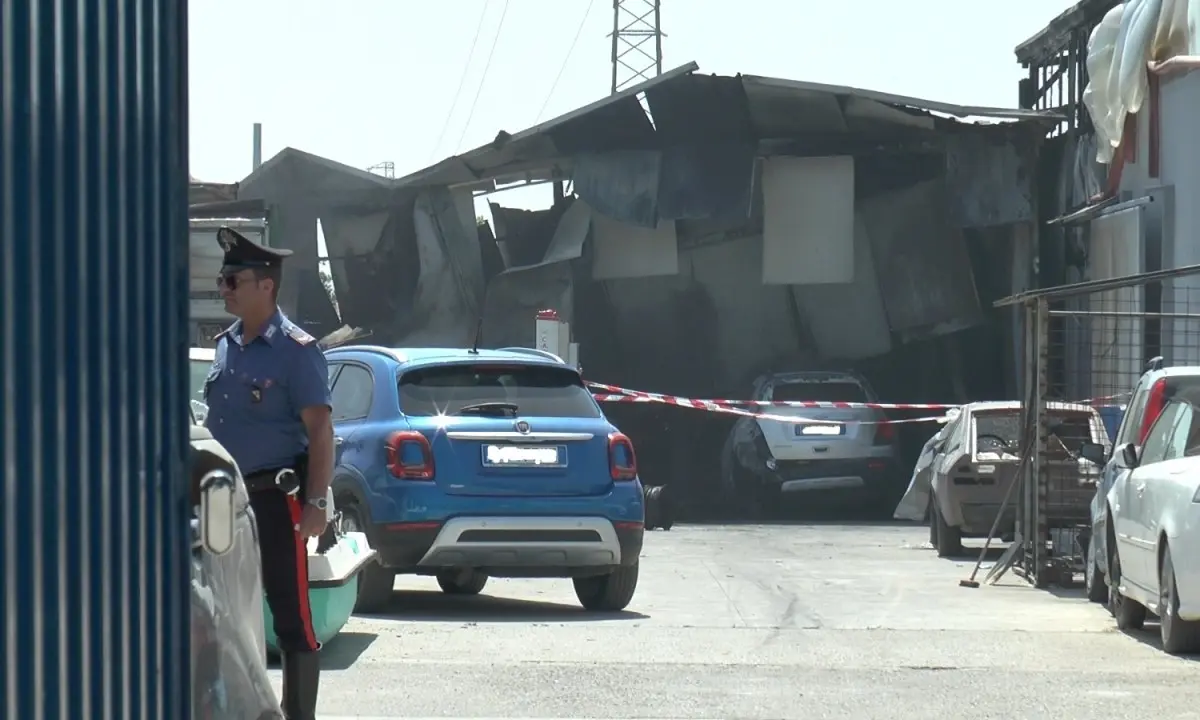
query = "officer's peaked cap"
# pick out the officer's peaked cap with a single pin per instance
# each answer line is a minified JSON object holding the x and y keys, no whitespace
{"x":242,"y":253}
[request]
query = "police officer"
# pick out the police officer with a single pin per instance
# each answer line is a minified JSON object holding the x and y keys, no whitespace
{"x":268,"y":400}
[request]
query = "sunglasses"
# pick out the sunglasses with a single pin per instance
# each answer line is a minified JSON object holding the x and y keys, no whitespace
{"x":232,"y":281}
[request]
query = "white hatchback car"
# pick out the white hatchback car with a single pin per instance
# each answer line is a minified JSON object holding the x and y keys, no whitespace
{"x":1154,"y":528}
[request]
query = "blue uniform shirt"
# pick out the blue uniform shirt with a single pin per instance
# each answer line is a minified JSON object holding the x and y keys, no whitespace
{"x":256,"y":390}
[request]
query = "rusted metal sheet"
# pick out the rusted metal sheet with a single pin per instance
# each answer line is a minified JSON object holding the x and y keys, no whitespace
{"x":93,"y":194}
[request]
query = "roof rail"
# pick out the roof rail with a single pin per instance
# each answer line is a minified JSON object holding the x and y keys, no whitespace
{"x":379,"y":349}
{"x":534,"y":351}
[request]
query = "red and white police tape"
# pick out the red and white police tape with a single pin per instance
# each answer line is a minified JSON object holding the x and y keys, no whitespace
{"x":612,"y":393}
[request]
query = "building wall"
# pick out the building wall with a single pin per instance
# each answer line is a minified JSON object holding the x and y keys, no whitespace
{"x":1179,"y":165}
{"x":1172,"y":221}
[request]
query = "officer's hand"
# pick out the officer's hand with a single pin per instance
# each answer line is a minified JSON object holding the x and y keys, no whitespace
{"x":312,"y":521}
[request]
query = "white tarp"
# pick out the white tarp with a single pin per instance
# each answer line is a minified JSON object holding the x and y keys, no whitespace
{"x":1131,"y":35}
{"x":915,"y":502}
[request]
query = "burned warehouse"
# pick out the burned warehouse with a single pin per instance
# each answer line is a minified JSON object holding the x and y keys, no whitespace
{"x":707,"y":233}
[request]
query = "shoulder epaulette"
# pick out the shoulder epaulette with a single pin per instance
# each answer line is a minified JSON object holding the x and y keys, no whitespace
{"x":297,"y":333}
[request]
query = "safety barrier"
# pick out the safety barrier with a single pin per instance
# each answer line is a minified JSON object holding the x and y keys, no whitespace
{"x":615,"y":394}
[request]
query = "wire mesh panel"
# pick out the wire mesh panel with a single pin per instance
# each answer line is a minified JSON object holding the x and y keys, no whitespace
{"x":1086,"y":347}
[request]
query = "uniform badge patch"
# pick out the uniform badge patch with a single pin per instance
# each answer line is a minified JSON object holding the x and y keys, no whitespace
{"x":256,"y":394}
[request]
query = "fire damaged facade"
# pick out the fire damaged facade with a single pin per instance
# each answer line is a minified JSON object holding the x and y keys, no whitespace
{"x":706,"y":230}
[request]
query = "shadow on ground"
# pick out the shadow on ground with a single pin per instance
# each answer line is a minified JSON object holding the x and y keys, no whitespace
{"x":435,"y":606}
{"x":1151,"y":636}
{"x":340,"y":653}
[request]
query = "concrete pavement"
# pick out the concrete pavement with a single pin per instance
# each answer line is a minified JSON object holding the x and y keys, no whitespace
{"x":757,"y":621}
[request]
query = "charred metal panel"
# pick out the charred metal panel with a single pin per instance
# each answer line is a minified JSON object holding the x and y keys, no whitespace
{"x":515,"y":295}
{"x":450,"y":288}
{"x":924,"y":271}
{"x":621,"y":185}
{"x":618,"y":125}
{"x":94,"y":546}
{"x":992,"y":175}
{"x":711,"y":181}
{"x":699,"y":109}
{"x":706,"y":181}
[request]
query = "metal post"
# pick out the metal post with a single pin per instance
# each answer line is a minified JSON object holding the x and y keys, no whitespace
{"x":256,"y":162}
{"x":94,"y":546}
{"x":1041,"y":533}
{"x":1026,"y":510}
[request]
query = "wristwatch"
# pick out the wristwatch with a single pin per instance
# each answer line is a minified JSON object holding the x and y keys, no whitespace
{"x":319,"y":503}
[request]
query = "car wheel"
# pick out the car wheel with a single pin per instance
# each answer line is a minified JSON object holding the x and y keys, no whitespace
{"x":1129,"y":614}
{"x":1179,"y":636}
{"x":949,"y":539}
{"x":931,"y":518}
{"x":375,"y":582}
{"x":1097,"y":591}
{"x":464,"y":581}
{"x":608,"y":593}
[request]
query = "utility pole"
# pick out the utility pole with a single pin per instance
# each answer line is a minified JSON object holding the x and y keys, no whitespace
{"x":636,"y":42}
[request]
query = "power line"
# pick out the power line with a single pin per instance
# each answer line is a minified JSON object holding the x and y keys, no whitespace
{"x":567,"y":59}
{"x":462,"y":80}
{"x":486,"y":66}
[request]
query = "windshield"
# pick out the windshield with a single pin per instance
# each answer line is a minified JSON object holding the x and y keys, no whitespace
{"x":535,"y":390}
{"x":997,"y":430}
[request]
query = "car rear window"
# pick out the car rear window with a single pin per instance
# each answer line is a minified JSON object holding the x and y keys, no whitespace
{"x":536,"y":390}
{"x":1072,"y":428}
{"x":819,"y":391}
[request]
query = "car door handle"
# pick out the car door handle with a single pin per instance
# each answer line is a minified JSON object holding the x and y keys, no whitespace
{"x":1140,"y":489}
{"x":337,"y":440}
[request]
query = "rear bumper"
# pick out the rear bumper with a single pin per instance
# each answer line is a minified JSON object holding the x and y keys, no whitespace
{"x":865,"y":474}
{"x":511,"y":546}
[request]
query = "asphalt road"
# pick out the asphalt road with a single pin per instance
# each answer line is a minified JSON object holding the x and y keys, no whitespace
{"x":754,"y":621}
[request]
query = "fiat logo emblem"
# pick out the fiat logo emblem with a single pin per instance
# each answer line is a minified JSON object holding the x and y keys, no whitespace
{"x":522,"y":427}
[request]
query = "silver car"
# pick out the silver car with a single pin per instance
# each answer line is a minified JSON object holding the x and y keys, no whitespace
{"x":978,"y":456}
{"x":835,"y":447}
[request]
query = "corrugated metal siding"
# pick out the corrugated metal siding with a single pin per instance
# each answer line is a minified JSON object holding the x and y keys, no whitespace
{"x":93,"y":183}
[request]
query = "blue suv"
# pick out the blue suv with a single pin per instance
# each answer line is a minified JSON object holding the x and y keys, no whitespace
{"x":469,"y":464}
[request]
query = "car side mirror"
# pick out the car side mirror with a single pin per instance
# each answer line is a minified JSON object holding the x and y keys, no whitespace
{"x":1129,"y":454}
{"x":217,"y":512}
{"x":1094,"y":452}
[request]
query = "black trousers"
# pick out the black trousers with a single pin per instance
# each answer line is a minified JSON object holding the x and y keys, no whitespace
{"x":285,"y":567}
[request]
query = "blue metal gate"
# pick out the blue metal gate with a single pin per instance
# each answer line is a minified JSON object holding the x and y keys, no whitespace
{"x":93,"y":539}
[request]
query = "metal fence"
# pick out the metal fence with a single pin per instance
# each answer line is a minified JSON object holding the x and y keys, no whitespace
{"x":1086,"y":344}
{"x":94,"y":552}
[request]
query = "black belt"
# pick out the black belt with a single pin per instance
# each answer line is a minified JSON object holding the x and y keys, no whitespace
{"x":288,"y":478}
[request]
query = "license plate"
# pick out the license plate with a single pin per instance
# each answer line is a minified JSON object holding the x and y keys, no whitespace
{"x":820,"y":430}
{"x":524,"y":456}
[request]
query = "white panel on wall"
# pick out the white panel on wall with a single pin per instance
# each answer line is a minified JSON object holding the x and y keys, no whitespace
{"x":629,"y":251}
{"x":808,"y":220}
{"x":830,"y":310}
{"x":1116,"y":250}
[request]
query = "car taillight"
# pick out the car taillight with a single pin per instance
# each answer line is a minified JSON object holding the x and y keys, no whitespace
{"x":622,"y":462}
{"x":409,"y":456}
{"x":1154,"y":405}
{"x":885,"y":431}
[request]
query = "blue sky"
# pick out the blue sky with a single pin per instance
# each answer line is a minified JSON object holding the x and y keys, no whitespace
{"x":366,"y":81}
